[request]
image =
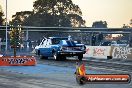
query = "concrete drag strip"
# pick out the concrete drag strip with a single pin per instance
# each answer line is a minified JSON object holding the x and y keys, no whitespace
{"x":43,"y":69}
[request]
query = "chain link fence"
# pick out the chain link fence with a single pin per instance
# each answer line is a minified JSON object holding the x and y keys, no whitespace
{"x":33,"y":37}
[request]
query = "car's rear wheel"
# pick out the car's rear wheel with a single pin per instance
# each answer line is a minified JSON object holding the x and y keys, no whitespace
{"x":38,"y":52}
{"x":41,"y":56}
{"x":80,"y":57}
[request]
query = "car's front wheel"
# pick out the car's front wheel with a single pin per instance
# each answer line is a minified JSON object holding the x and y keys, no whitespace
{"x":80,"y":57}
{"x":63,"y":57}
{"x":43,"y":57}
{"x":56,"y":56}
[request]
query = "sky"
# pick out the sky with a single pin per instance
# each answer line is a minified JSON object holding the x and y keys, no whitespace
{"x":115,"y":12}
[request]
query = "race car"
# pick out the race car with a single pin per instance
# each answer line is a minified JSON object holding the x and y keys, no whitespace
{"x":59,"y":48}
{"x":114,"y":43}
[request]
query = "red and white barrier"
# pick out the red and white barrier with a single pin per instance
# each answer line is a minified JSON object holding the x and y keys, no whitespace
{"x":17,"y":61}
{"x":98,"y":51}
{"x":103,"y":52}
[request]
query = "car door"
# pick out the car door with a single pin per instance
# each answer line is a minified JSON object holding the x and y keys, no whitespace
{"x":46,"y":48}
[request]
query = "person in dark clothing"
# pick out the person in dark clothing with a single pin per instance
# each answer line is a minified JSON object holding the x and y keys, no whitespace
{"x":130,"y":43}
{"x":100,"y":38}
{"x":38,"y":42}
{"x":93,"y":40}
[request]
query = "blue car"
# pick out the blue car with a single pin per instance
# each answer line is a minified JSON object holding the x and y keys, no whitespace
{"x":60,"y":48}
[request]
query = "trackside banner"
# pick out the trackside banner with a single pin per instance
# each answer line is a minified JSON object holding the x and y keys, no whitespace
{"x":98,"y":51}
{"x":104,"y":51}
{"x":17,"y":61}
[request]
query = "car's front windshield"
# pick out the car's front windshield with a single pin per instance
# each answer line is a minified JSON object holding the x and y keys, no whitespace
{"x":68,"y":42}
{"x":57,"y":40}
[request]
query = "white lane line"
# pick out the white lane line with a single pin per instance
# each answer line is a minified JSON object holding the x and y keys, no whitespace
{"x":109,"y":62}
{"x":98,"y":68}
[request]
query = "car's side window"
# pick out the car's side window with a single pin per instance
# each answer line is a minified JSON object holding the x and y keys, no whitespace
{"x":55,"y":41}
{"x":42,"y":42}
{"x":49,"y":42}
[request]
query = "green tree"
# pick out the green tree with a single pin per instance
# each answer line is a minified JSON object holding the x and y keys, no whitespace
{"x":55,"y":13}
{"x":15,"y":39}
{"x":1,"y":16}
{"x":2,"y":33}
{"x":19,"y":17}
{"x":99,"y":24}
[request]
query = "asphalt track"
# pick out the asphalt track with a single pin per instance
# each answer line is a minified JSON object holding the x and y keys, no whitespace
{"x":47,"y":76}
{"x":51,"y":74}
{"x":41,"y":69}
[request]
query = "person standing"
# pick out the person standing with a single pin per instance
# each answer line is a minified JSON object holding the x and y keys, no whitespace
{"x":93,"y":40}
{"x":0,"y":43}
{"x":100,"y":38}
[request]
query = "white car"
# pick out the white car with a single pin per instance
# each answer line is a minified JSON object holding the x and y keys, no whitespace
{"x":115,"y":43}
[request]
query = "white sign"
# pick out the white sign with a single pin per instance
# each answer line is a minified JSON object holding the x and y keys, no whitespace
{"x":121,"y":52}
{"x":97,"y":51}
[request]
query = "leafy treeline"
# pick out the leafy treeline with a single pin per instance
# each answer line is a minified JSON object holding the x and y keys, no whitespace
{"x":56,"y":13}
{"x":99,"y":24}
{"x":1,"y":16}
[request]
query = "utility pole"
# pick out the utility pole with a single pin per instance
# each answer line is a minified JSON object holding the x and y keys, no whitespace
{"x":6,"y":27}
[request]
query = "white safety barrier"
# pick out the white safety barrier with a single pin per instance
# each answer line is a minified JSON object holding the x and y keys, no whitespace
{"x":98,"y":51}
{"x":122,"y":52}
{"x":108,"y":52}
